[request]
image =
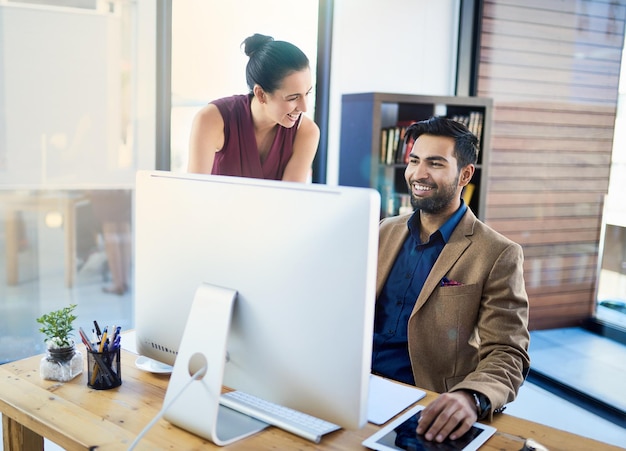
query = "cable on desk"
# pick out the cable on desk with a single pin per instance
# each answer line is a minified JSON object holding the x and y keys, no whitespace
{"x":201,"y":372}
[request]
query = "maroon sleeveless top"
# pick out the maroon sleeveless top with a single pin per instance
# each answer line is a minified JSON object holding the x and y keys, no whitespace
{"x":240,"y":155}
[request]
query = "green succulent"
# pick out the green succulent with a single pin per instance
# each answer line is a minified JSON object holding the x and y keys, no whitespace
{"x":57,"y":327}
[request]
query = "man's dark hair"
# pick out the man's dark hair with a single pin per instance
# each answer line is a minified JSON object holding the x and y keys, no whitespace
{"x":465,"y":142}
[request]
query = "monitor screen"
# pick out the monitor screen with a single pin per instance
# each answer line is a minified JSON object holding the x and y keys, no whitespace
{"x":302,"y":259}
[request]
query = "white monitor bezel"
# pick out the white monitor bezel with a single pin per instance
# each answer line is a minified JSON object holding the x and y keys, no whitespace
{"x":337,"y":360}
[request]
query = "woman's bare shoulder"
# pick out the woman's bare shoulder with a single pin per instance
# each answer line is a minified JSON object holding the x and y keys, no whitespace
{"x":308,"y":127}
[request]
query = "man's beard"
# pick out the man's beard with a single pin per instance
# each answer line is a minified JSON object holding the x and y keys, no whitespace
{"x":437,"y":202}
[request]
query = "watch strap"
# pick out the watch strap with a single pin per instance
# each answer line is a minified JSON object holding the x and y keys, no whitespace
{"x":482,"y":405}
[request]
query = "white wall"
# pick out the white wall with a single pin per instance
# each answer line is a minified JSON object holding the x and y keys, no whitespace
{"x":398,"y":46}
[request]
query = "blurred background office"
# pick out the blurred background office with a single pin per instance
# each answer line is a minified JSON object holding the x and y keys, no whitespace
{"x":93,"y":90}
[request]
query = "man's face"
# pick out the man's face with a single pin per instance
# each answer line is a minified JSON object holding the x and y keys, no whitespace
{"x":432,"y":175}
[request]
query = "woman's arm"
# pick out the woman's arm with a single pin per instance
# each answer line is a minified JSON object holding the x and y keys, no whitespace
{"x":304,"y":148}
{"x":207,"y":137}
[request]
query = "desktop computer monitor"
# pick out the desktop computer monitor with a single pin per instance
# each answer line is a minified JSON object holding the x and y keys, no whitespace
{"x":302,"y":259}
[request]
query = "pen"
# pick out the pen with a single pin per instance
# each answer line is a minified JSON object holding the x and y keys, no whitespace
{"x":98,"y":332}
{"x":98,"y":366}
{"x":116,"y":333}
{"x":116,"y":342}
{"x":103,"y":339}
{"x":85,"y":340}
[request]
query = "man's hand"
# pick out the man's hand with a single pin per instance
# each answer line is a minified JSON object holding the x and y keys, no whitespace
{"x":451,"y":414}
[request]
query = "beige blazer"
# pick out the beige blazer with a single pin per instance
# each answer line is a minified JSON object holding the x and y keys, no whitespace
{"x":473,"y":336}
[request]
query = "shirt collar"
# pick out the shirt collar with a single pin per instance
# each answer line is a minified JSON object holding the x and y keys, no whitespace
{"x":445,"y":230}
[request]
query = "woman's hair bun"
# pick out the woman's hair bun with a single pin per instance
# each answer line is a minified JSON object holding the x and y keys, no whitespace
{"x":270,"y":61}
{"x":253,"y":43}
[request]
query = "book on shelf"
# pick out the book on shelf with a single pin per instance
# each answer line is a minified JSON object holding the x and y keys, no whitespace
{"x":390,"y":140}
{"x":383,"y":144}
{"x":399,"y":155}
{"x":478,"y":126}
{"x":463,"y":119}
{"x":387,"y":145}
{"x":473,"y":121}
{"x":393,"y":148}
{"x":402,"y":155}
{"x":468,"y":192}
{"x":408,"y":145}
{"x":393,"y":145}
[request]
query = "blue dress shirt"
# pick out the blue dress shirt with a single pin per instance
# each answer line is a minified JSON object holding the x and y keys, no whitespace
{"x":390,"y":357}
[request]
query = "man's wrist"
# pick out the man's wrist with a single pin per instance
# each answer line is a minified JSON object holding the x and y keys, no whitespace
{"x":483,"y":406}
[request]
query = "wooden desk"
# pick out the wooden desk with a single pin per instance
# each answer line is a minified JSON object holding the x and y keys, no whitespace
{"x":78,"y":418}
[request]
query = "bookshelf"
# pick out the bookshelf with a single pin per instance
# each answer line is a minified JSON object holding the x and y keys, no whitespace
{"x":371,"y":156}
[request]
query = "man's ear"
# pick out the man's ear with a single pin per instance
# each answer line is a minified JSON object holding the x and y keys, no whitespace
{"x":466,"y":174}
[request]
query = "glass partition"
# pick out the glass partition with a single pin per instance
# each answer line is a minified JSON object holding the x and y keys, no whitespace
{"x":611,"y":278}
{"x":611,"y":292}
{"x":75,"y":126}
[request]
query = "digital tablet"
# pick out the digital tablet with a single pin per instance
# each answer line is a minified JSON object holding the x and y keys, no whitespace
{"x":400,"y":435}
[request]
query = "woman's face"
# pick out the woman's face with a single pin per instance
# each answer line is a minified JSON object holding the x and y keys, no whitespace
{"x":287,"y":103}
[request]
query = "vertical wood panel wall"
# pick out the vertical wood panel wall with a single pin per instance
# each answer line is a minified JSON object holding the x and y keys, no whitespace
{"x":552,"y":68}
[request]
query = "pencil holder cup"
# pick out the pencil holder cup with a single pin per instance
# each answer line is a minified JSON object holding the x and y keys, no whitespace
{"x":104,"y":369}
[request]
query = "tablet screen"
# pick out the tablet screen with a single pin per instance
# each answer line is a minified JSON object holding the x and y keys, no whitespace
{"x":401,"y":435}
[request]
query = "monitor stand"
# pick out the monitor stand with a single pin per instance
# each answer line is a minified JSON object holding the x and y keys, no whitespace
{"x":197,"y":408}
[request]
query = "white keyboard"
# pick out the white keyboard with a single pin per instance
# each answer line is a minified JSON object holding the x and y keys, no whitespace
{"x":299,"y":423}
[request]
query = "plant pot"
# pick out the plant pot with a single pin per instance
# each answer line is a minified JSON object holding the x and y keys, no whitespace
{"x":61,"y":364}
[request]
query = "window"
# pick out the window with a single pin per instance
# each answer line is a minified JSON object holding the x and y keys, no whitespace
{"x":611,"y":282}
{"x":72,"y":118}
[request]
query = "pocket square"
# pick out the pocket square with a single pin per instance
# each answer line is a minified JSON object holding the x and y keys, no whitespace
{"x":445,"y":282}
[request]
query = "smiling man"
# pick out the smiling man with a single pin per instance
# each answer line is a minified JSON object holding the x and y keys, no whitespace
{"x":451,"y":308}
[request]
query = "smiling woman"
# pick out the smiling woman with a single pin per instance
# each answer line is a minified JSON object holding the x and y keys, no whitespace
{"x":212,"y":65}
{"x":263,"y":134}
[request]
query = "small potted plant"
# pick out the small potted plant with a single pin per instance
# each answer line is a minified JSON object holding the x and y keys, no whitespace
{"x":62,"y":361}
